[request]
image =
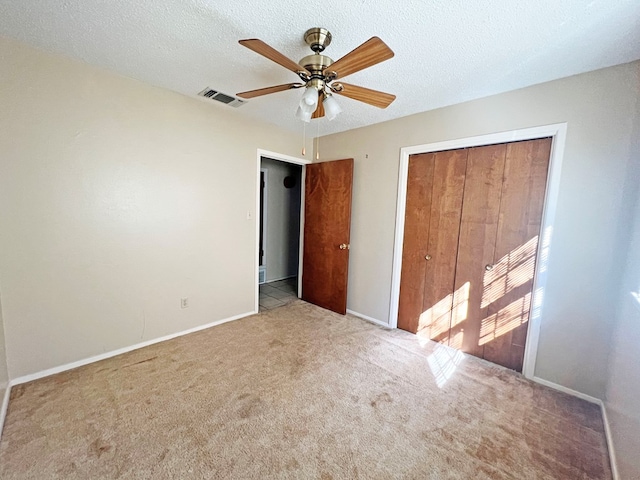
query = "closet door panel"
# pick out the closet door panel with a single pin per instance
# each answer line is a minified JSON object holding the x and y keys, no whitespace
{"x":508,"y":286}
{"x":446,"y":208}
{"x":416,"y":236}
{"x":476,"y":246}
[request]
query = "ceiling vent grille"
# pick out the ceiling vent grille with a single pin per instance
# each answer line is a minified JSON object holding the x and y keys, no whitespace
{"x":222,"y":97}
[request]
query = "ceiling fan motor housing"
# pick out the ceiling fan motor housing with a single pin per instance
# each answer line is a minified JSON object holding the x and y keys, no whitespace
{"x":316,"y":63}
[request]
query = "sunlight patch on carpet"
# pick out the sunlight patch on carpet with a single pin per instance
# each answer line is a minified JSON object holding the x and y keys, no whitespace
{"x":443,"y":363}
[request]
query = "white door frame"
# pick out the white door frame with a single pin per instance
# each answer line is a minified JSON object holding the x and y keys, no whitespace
{"x":288,"y":159}
{"x":558,"y":132}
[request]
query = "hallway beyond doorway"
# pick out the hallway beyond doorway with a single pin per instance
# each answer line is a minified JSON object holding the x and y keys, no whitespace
{"x":278,"y":294}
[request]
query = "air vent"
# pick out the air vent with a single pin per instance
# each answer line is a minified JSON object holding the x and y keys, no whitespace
{"x":262,"y":275}
{"x":222,"y":97}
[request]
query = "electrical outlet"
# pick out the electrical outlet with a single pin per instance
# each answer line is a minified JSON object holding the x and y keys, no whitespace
{"x":184,"y":302}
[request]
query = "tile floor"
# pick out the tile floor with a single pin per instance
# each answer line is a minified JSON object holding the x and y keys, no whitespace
{"x":277,"y":294}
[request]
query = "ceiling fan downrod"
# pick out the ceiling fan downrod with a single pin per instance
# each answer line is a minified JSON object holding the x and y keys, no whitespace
{"x":317,"y":38}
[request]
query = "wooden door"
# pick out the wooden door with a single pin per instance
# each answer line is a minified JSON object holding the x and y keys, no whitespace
{"x":508,"y":285}
{"x":434,"y":200}
{"x":472,"y":226}
{"x":327,"y":221}
{"x":441,"y":306}
{"x":476,"y":245}
{"x":416,"y":237}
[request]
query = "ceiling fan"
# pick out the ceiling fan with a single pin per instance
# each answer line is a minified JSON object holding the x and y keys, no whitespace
{"x":319,"y":74}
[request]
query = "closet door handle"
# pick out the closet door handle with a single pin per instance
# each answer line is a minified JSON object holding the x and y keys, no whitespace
{"x":427,"y":257}
{"x":488,"y":268}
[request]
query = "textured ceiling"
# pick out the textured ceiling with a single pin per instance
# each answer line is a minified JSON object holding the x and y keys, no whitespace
{"x":447,"y":51}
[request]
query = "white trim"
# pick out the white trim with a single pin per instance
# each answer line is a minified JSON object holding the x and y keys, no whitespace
{"x":559,"y":134}
{"x":609,"y":436}
{"x":282,"y":157}
{"x":5,"y":407}
{"x":120,"y":351}
{"x":569,"y":391}
{"x":605,"y":418}
{"x":558,"y":131}
{"x":256,"y":260}
{"x":367,"y":318}
{"x":279,"y":279}
{"x":401,"y":207}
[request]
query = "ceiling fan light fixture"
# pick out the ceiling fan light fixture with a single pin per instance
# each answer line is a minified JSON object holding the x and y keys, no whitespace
{"x":308,"y":104}
{"x":304,"y":115}
{"x":310,"y":98}
{"x":331,"y":107}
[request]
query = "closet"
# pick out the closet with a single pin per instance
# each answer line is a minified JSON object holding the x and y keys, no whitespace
{"x":472,"y":227}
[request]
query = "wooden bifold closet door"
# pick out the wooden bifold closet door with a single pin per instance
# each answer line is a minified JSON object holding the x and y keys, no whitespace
{"x":472,"y":226}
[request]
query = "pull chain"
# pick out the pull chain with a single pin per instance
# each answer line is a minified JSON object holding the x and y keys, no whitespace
{"x":304,"y":138}
{"x":318,"y":140}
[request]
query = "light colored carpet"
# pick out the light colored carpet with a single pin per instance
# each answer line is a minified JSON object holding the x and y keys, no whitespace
{"x":298,"y":392}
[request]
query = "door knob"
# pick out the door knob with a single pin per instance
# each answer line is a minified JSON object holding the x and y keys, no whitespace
{"x":488,"y":268}
{"x":344,"y":246}
{"x":427,"y":257}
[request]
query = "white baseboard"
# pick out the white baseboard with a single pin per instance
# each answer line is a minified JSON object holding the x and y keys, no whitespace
{"x":279,"y":278}
{"x":5,"y":406}
{"x":120,"y":351}
{"x":368,"y":319}
{"x":608,"y":434}
{"x":605,"y":418}
{"x":566,"y":390}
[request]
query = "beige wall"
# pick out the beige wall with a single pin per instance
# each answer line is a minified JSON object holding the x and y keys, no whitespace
{"x":599,"y":108}
{"x":282,"y":239}
{"x":4,"y":374}
{"x":116,"y":200}
{"x":623,"y":388}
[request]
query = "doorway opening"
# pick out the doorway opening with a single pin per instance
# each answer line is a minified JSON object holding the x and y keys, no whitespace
{"x":323,"y":234}
{"x":280,"y":205}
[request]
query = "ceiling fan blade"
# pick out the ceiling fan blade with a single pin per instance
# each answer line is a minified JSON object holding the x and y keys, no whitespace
{"x":272,"y":54}
{"x":366,"y":95}
{"x":268,"y":90}
{"x":320,"y":110}
{"x":370,"y":53}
